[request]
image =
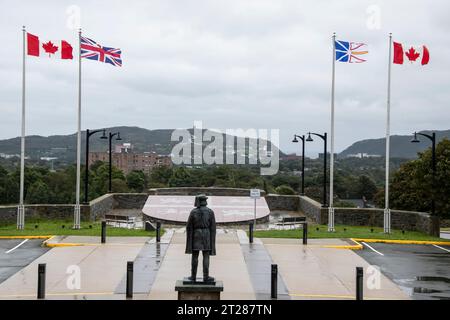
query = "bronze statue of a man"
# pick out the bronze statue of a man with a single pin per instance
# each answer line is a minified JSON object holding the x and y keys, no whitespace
{"x":201,"y":236}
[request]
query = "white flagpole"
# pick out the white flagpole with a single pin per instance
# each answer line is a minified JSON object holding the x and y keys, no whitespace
{"x":330,"y":208}
{"x":387,"y":210}
{"x":21,"y":207}
{"x":77,"y":219}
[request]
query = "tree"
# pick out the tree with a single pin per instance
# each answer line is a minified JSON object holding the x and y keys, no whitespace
{"x":286,"y":190}
{"x":412,"y":187}
{"x":136,"y":181}
{"x":38,"y":193}
{"x":160,"y":176}
{"x":366,"y":188}
{"x":181,"y":177}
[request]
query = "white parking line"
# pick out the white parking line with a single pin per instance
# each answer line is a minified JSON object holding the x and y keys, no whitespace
{"x":17,"y":246}
{"x":372,"y":249}
{"x":441,"y":248}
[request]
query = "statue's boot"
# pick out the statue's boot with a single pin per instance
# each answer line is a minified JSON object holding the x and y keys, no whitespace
{"x":193,"y":277}
{"x":207,"y":278}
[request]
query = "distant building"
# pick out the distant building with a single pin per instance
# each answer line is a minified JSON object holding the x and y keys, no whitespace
{"x":126,"y":160}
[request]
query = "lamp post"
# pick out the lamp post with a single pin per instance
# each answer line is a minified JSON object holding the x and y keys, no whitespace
{"x":89,"y":133}
{"x":324,"y":138}
{"x":432,"y":137}
{"x":111,"y":135}
{"x":303,"y":160}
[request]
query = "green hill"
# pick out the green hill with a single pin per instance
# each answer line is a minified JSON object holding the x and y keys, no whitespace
{"x":64,"y":146}
{"x":401,"y":146}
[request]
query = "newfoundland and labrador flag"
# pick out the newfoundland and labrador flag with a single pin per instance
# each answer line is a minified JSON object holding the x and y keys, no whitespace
{"x":93,"y":51}
{"x":351,"y":52}
{"x":411,"y":54}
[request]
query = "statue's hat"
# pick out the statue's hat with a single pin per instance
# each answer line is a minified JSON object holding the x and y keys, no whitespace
{"x":202,"y":197}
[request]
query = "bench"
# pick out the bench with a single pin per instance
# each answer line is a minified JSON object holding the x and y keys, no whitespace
{"x":130,"y":222}
{"x":291,"y":221}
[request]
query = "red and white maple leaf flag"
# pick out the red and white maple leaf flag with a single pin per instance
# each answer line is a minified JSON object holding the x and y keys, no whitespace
{"x":411,"y":54}
{"x":57,"y":49}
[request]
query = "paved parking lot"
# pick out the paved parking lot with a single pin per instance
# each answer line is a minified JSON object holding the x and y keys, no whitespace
{"x":423,"y":271}
{"x":16,"y":254}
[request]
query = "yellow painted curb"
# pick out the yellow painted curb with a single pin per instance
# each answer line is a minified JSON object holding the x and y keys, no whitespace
{"x":357,"y":246}
{"x":25,"y":237}
{"x":402,"y":241}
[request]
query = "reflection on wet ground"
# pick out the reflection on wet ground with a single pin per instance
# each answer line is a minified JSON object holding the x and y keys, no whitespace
{"x":423,"y":271}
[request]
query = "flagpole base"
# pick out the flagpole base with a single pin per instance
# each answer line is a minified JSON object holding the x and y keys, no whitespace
{"x":20,"y":217}
{"x":331,"y":219}
{"x":387,"y":220}
{"x":77,"y":213}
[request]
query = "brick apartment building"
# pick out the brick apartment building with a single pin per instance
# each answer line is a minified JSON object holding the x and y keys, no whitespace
{"x":126,"y":160}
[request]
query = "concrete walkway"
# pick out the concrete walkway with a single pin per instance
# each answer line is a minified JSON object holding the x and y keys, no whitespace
{"x":101,"y":270}
{"x":228,"y":265}
{"x":314,"y":272}
{"x":305,"y":272}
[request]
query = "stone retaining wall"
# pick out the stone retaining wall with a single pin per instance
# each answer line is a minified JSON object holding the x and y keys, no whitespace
{"x":96,"y":209}
{"x":283,"y":203}
{"x":406,"y":220}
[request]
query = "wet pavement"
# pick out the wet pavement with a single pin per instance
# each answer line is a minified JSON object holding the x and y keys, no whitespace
{"x":145,"y":269}
{"x":259,"y":263}
{"x":16,"y":254}
{"x":422,"y":271}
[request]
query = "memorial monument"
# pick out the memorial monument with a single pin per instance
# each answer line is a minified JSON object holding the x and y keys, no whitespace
{"x":200,"y":236}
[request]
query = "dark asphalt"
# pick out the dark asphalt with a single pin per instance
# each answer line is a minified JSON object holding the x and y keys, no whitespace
{"x":423,"y":271}
{"x":14,"y":261}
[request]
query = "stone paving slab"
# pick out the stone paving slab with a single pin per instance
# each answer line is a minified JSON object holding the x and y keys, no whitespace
{"x":102,"y":268}
{"x":323,"y":273}
{"x":228,"y":266}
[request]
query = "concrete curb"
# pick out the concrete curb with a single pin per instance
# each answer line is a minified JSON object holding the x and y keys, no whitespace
{"x":401,"y":241}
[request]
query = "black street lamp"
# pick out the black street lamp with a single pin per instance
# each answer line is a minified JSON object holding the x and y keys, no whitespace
{"x":111,"y":135}
{"x":432,"y":137}
{"x":303,"y":160}
{"x":86,"y":174}
{"x":324,"y":138}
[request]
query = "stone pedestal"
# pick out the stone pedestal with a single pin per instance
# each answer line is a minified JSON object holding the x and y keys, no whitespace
{"x":199,"y":290}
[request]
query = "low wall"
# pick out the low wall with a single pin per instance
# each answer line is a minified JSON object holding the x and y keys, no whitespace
{"x":129,"y":200}
{"x":406,"y":220}
{"x":282,"y":202}
{"x":312,"y":209}
{"x":101,"y":206}
{"x":209,"y":191}
{"x":95,"y":210}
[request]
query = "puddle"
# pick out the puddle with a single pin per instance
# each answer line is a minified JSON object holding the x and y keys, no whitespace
{"x":425,"y":290}
{"x":433,"y":278}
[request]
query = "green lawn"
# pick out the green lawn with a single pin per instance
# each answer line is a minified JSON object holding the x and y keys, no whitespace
{"x":345,"y":232}
{"x":65,"y":228}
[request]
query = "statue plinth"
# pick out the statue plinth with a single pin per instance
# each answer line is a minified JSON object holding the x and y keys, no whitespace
{"x":198,"y":290}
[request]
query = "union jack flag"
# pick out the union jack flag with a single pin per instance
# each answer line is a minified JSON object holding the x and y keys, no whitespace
{"x":93,"y":51}
{"x":350,"y":51}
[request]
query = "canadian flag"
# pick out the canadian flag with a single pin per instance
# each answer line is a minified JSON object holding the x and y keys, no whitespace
{"x":413,"y":54}
{"x":58,"y":49}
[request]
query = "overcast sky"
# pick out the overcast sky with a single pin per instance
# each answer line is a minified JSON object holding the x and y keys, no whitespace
{"x":232,"y":64}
